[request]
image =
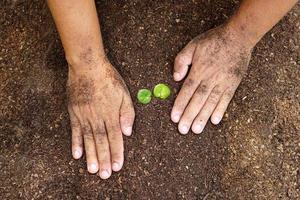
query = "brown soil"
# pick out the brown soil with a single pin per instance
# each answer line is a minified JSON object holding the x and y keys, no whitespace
{"x":253,"y":154}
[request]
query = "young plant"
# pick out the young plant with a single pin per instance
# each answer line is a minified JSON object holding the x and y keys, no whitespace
{"x":162,"y":91}
{"x":144,"y":96}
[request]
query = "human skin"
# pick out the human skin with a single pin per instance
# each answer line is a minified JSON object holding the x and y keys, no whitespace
{"x":219,"y":60}
{"x":99,"y":104}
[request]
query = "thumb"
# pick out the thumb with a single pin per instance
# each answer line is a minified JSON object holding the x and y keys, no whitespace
{"x":127,"y":115}
{"x":183,"y":60}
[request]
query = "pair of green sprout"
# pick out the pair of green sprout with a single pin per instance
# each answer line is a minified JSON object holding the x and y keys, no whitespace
{"x":161,"y":91}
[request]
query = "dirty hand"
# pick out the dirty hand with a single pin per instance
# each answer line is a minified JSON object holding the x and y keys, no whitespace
{"x":218,"y":60}
{"x":100,"y":110}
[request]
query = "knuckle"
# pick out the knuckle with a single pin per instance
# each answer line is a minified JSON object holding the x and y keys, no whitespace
{"x":214,"y":97}
{"x":189,"y":82}
{"x":100,"y":130}
{"x":114,"y":127}
{"x":118,"y":155}
{"x":99,"y":135}
{"x":99,"y":143}
{"x":131,"y":116}
{"x":116,"y":138}
{"x":102,"y":147}
{"x":87,"y":131}
{"x":104,"y":159}
{"x":213,"y":100}
{"x":128,"y":114}
{"x":114,"y":130}
{"x":229,"y":94}
{"x":75,"y":125}
{"x":88,"y":136}
{"x":217,"y":90}
{"x":180,"y":59}
{"x":76,"y":135}
{"x":179,"y":105}
{"x":215,"y":94}
{"x":202,"y":89}
{"x":117,"y":132}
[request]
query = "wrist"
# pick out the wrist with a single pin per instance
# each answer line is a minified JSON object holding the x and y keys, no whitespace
{"x":240,"y":32}
{"x":87,"y":54}
{"x":86,"y":61}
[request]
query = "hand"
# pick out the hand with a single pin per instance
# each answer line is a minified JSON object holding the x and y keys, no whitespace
{"x":100,"y":109}
{"x":219,"y":60}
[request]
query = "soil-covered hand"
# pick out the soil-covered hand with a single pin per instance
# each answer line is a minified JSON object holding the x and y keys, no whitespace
{"x":100,"y":109}
{"x":219,"y":60}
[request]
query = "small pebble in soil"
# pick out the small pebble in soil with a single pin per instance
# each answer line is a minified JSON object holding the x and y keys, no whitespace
{"x":81,"y":171}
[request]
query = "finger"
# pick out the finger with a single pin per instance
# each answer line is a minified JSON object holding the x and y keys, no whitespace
{"x":188,"y":88}
{"x":90,"y":149}
{"x":77,"y":141}
{"x":194,"y":107}
{"x":206,"y":111}
{"x":222,"y":106}
{"x":183,"y":60}
{"x":103,"y":151}
{"x":115,"y":142}
{"x":127,"y":115}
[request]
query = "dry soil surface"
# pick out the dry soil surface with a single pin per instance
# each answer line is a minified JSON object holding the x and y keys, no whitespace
{"x":253,"y":154}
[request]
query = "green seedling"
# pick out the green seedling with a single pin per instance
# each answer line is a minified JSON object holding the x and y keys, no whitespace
{"x":162,"y":91}
{"x":144,"y":96}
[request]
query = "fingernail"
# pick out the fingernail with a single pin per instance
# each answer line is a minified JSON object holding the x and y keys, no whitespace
{"x":92,"y":168}
{"x":175,"y":117}
{"x":216,"y":120}
{"x":183,"y":129}
{"x":77,"y":153}
{"x":104,"y":174}
{"x":197,"y":128}
{"x":128,"y":131}
{"x":176,"y":76}
{"x":116,"y":166}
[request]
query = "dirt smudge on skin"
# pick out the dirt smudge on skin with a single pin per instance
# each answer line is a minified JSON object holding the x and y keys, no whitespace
{"x":81,"y":92}
{"x":189,"y":82}
{"x":86,"y":129}
{"x":202,"y":89}
{"x":240,"y":65}
{"x":100,"y":130}
{"x":86,"y":56}
{"x":112,"y":73}
{"x":239,"y":72}
{"x":220,"y":38}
